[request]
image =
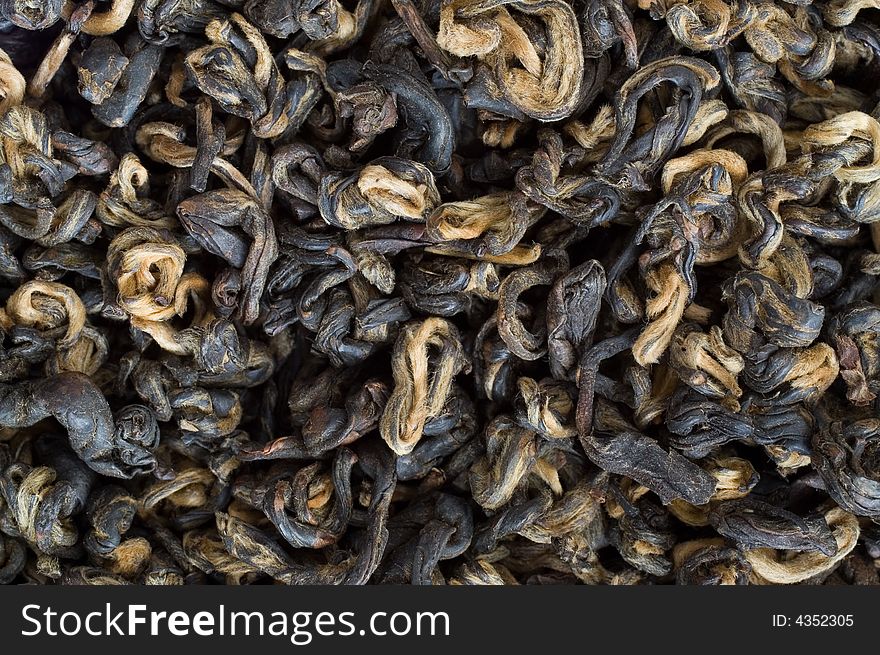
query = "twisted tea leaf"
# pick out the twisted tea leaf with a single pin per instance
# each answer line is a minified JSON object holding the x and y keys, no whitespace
{"x":752,"y":524}
{"x":119,"y":448}
{"x":619,"y":448}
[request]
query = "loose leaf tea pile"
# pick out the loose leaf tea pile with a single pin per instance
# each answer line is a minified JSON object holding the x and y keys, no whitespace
{"x":439,"y":291}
